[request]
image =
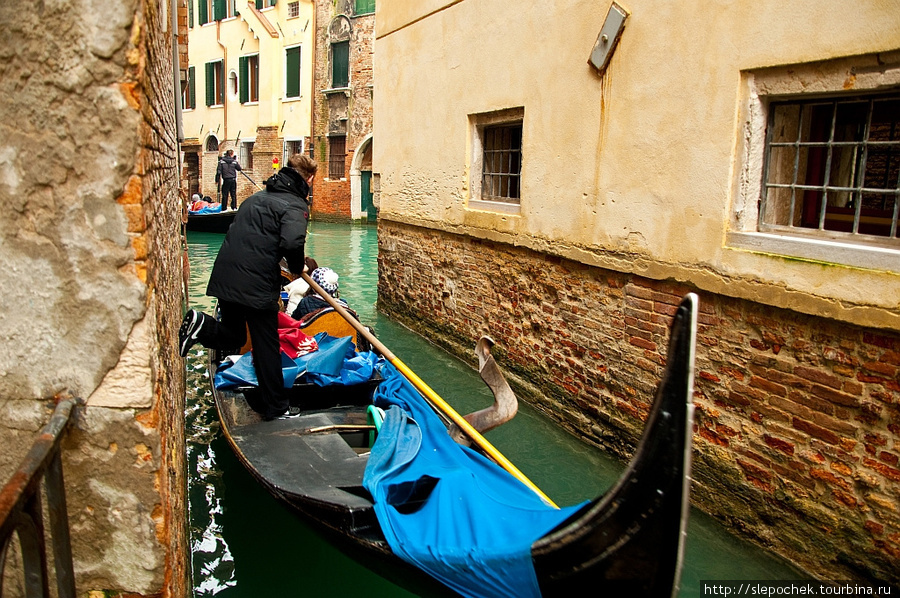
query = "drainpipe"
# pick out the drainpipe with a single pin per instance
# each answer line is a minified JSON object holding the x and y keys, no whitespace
{"x":176,"y":69}
{"x":312,"y":99}
{"x":224,"y":80}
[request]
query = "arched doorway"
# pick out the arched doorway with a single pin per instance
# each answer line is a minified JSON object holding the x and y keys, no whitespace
{"x":362,"y":206}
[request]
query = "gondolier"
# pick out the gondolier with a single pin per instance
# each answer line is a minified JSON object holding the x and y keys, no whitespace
{"x":226,"y":172}
{"x":246,"y":278}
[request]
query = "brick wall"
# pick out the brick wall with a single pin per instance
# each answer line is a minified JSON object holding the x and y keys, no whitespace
{"x":337,"y":114}
{"x":797,"y":417}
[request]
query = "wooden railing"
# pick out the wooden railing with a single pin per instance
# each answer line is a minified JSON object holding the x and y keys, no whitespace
{"x":21,"y":512}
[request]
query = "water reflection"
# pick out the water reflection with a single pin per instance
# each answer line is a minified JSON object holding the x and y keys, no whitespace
{"x":247,"y":544}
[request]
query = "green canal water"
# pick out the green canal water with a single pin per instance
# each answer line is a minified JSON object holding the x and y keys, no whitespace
{"x":246,"y":544}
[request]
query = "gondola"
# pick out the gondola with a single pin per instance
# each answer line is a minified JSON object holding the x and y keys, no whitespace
{"x":213,"y":222}
{"x":628,"y":541}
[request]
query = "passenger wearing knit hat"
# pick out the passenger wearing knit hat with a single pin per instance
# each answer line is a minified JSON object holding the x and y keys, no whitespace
{"x":328,"y":280}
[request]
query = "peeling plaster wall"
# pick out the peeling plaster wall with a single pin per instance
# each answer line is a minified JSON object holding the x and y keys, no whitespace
{"x":91,"y":275}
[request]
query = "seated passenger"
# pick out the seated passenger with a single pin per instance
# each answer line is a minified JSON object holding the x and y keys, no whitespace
{"x":328,"y":280}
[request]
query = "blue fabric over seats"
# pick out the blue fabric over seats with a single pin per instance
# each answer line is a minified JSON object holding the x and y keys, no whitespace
{"x":447,"y":509}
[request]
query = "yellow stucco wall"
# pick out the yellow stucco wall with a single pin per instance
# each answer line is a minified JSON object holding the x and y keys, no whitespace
{"x":241,"y":36}
{"x":639,"y":170}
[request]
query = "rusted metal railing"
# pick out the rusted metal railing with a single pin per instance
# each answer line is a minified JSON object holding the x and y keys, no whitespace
{"x":21,"y":511}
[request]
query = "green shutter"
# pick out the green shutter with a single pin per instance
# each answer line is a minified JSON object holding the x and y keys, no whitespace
{"x":244,"y":79}
{"x":190,"y":13}
{"x":220,"y":10}
{"x":210,"y":83}
{"x":292,"y":72}
{"x":340,"y":64}
{"x":192,"y":88}
{"x":364,"y":7}
{"x":259,"y":4}
{"x":203,"y":13}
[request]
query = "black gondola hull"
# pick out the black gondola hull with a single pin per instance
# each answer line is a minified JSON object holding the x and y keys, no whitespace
{"x":629,"y":540}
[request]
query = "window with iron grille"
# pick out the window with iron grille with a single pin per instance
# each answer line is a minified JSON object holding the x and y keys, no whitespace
{"x":245,"y":159}
{"x":291,"y":147}
{"x":293,"y":10}
{"x":833,"y":168}
{"x":337,"y":153}
{"x":501,"y":162}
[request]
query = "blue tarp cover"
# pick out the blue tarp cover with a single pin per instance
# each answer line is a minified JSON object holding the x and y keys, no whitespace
{"x":208,"y":209}
{"x":336,"y":362}
{"x":447,"y":509}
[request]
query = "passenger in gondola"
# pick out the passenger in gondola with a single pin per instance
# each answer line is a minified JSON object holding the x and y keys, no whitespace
{"x":328,"y":280}
{"x":246,"y":279}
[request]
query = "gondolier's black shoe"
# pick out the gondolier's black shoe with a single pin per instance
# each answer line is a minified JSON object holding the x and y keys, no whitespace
{"x":190,"y":328}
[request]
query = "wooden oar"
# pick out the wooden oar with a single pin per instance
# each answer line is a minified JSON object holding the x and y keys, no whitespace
{"x":432,"y":397}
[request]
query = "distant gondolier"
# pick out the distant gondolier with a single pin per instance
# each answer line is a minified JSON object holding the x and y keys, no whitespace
{"x":227,"y":173}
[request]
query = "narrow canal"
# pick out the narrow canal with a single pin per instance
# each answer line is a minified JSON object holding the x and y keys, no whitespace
{"x":245,"y":544}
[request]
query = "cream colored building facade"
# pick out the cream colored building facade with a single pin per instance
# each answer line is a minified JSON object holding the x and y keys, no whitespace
{"x":671,"y":168}
{"x":251,"y":68}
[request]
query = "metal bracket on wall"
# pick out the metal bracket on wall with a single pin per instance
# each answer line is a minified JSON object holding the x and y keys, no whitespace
{"x":608,"y":38}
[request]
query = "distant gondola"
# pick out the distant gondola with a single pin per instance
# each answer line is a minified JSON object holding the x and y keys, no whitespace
{"x":626,"y":542}
{"x":213,"y":222}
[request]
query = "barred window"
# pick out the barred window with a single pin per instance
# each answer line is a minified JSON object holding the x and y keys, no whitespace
{"x":291,"y":147}
{"x":337,"y":153}
{"x":246,"y":156}
{"x":293,"y":10}
{"x":501,"y":163}
{"x":833,"y":168}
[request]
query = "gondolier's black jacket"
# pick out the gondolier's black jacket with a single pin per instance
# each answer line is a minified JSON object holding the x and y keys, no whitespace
{"x":270,"y":225}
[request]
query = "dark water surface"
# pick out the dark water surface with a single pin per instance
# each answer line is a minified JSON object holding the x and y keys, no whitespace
{"x":246,"y":544}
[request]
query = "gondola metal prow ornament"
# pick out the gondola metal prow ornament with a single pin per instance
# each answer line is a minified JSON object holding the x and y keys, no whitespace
{"x":430,"y":394}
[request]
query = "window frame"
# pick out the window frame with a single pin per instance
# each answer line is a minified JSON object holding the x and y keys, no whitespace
{"x":344,"y":81}
{"x":479,"y":125}
{"x":368,"y":7}
{"x":287,"y":145}
{"x":333,"y":160}
{"x":215,"y":88}
{"x":248,"y":78}
{"x":809,"y":199}
{"x":287,"y":79}
{"x":189,"y":101}
{"x":245,"y":153}
{"x":762,"y":87}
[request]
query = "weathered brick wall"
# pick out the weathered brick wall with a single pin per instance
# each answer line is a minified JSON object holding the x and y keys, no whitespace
{"x":162,"y":249}
{"x":331,"y":197}
{"x":797,"y":417}
{"x":353,"y":115}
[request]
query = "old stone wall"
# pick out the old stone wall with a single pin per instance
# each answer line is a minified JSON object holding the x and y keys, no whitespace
{"x":91,"y":272}
{"x":797,"y":416}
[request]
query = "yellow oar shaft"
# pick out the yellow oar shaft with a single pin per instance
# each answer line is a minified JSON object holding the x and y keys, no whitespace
{"x":435,"y":399}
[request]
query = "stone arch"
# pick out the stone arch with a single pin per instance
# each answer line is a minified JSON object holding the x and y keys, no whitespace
{"x":362,"y":161}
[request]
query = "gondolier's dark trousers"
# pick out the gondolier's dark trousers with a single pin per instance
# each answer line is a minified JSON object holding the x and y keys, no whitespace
{"x":230,"y":334}
{"x":229,"y":186}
